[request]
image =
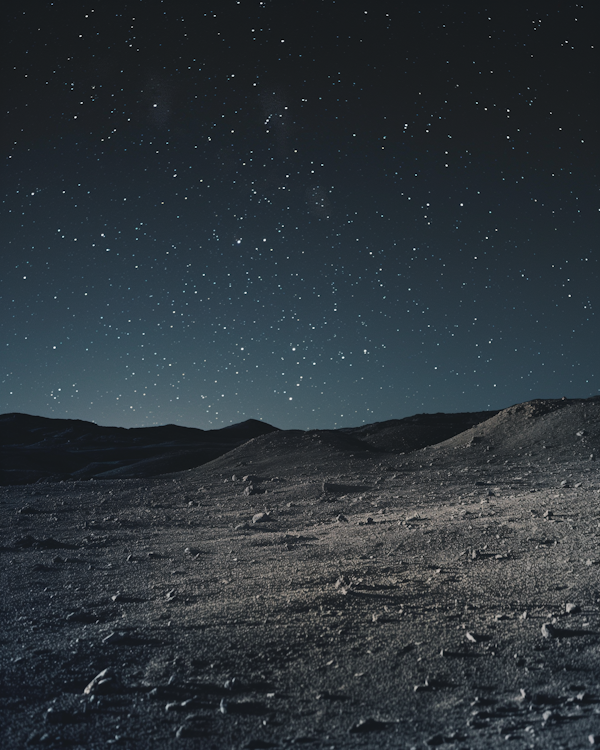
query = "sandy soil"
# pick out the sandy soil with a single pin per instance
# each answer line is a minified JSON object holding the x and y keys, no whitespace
{"x":306,"y":591}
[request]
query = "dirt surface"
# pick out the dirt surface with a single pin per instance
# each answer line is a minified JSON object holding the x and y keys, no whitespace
{"x":308,"y":590}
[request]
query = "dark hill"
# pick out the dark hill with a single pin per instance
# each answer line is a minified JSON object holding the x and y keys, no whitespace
{"x":412,"y":433}
{"x":37,"y":448}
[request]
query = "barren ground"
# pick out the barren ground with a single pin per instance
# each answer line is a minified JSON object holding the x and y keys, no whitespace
{"x":448,"y":597}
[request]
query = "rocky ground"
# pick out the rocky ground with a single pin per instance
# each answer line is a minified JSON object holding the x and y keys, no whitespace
{"x":308,"y":590}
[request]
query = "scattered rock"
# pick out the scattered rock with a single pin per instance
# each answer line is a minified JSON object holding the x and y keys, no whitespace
{"x":120,"y":638}
{"x":549,"y":631}
{"x":368,"y":725}
{"x":103,"y":683}
{"x":60,"y":716}
{"x":261,"y":518}
{"x":233,"y":683}
{"x":186,"y":731}
{"x":436,"y":740}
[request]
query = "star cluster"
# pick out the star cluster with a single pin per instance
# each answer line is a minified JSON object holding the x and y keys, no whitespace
{"x":318,"y":214}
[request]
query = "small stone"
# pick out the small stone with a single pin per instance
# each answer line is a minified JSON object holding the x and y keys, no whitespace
{"x":592,"y":739}
{"x":260,"y":517}
{"x":367,"y":725}
{"x":250,"y":490}
{"x":437,"y":739}
{"x":114,"y":638}
{"x":422,"y":688}
{"x":472,"y":637}
{"x":572,"y":609}
{"x":223,"y":706}
{"x":104,"y":682}
{"x":185,"y":731}
{"x":549,"y":631}
{"x":342,"y":519}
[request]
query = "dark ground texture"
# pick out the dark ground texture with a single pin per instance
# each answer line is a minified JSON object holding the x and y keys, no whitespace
{"x":307,"y":589}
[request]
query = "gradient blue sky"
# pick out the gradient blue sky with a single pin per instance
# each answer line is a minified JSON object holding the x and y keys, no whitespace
{"x":317,"y":214}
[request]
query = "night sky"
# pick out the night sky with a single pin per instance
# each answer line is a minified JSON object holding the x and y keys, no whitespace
{"x":318,"y":214}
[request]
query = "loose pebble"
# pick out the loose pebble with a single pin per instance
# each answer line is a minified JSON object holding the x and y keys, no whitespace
{"x":367,"y":725}
{"x":114,"y":638}
{"x":437,"y":739}
{"x":104,"y":682}
{"x":260,"y":517}
{"x":549,"y":631}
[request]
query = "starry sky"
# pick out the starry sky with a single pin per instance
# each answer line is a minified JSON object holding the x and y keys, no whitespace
{"x":318,"y":213}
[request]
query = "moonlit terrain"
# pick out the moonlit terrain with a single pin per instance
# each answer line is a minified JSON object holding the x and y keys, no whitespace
{"x":397,"y":585}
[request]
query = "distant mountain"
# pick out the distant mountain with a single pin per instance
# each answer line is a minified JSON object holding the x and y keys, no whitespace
{"x":40,"y":449}
{"x":36,"y":449}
